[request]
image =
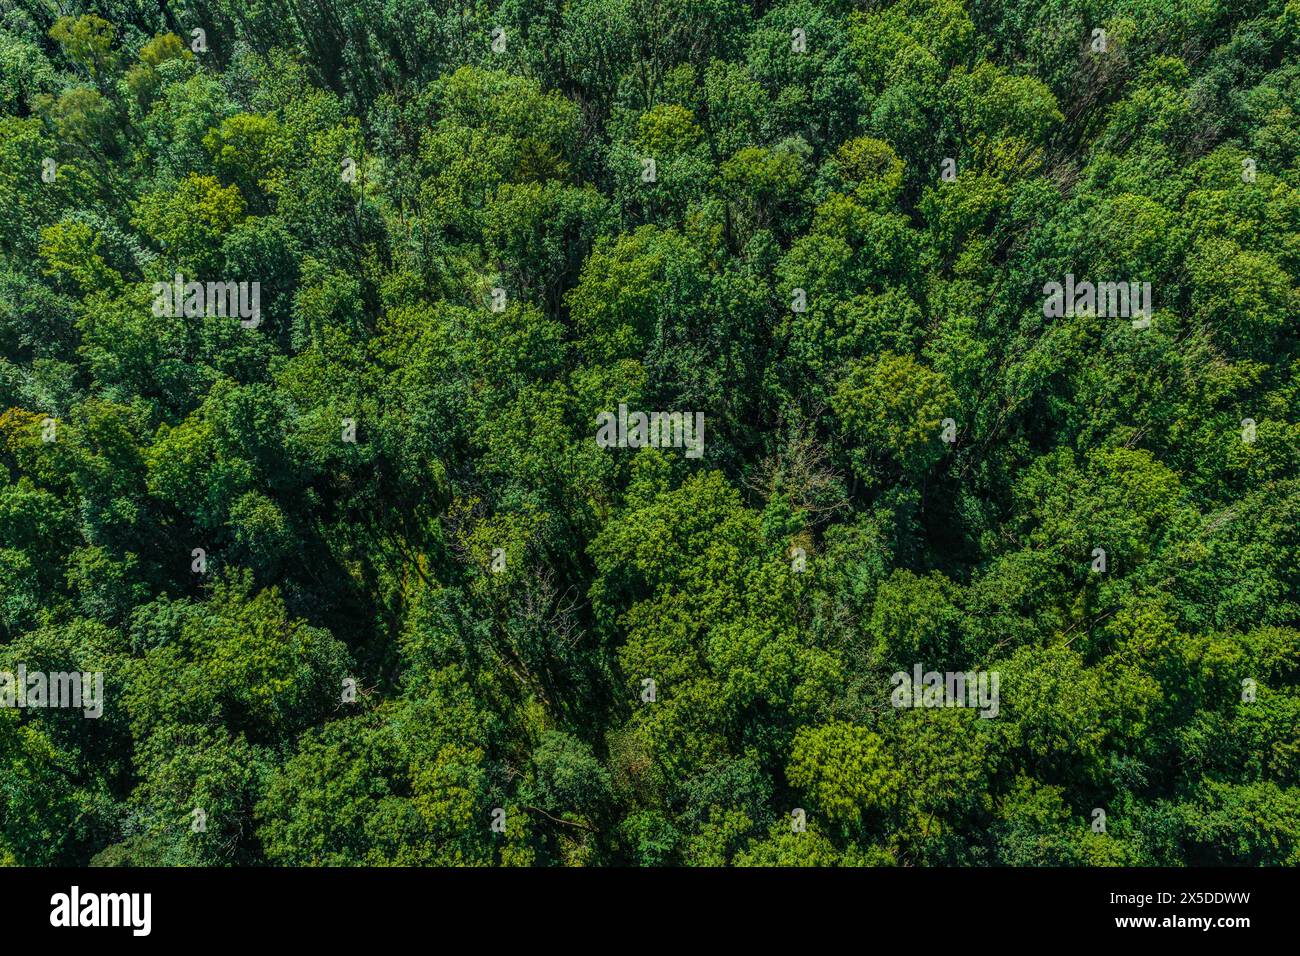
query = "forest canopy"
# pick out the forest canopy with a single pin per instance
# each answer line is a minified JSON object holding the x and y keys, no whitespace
{"x":650,"y":432}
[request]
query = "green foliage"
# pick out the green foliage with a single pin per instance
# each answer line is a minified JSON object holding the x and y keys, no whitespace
{"x":365,"y":590}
